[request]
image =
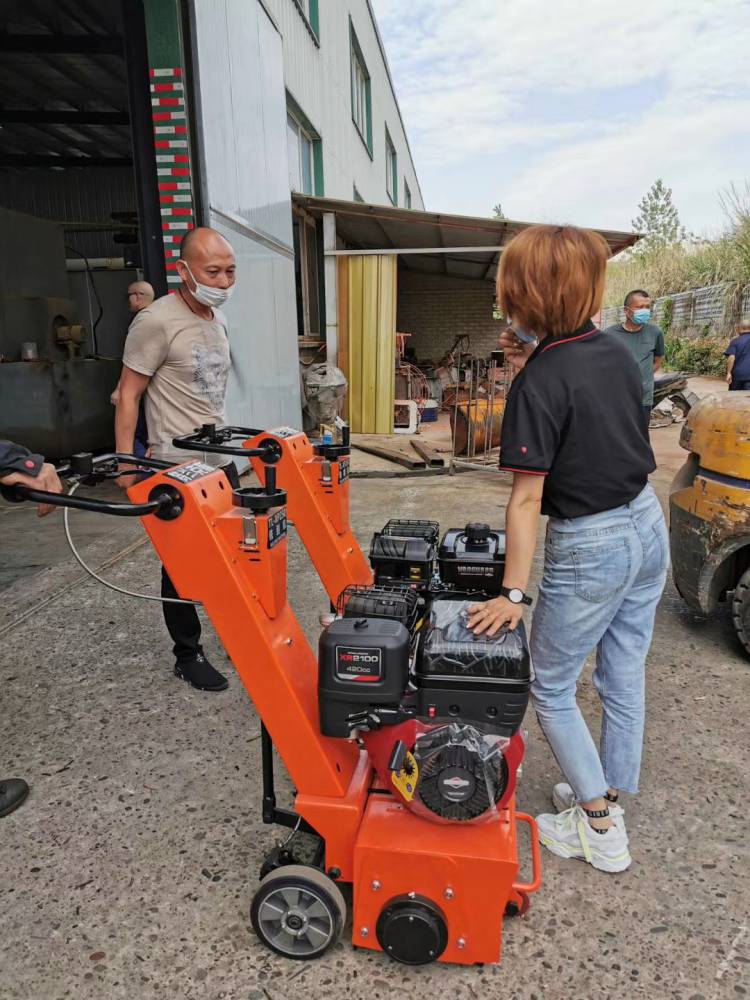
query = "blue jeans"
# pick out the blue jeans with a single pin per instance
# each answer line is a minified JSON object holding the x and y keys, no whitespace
{"x":603,"y":577}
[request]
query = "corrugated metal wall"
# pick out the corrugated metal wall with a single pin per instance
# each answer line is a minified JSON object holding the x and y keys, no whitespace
{"x":243,"y":124}
{"x":708,"y":306}
{"x":73,"y":196}
{"x":367,"y":345}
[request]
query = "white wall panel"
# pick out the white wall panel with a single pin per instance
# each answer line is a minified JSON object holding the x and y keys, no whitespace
{"x":243,"y":109}
{"x":318,"y":77}
{"x":264,"y":384}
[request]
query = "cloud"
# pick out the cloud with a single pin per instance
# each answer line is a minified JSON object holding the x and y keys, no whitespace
{"x":572,"y":108}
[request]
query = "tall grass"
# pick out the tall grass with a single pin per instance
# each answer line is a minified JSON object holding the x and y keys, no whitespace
{"x":693,"y":263}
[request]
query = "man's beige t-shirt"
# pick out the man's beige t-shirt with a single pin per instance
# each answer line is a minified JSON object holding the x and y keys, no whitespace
{"x":188,"y":360}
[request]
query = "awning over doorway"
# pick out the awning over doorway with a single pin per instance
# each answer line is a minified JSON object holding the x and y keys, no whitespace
{"x":430,"y":242}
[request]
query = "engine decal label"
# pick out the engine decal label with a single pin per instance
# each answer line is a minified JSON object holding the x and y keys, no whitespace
{"x":190,"y":472}
{"x":358,"y":663}
{"x":343,"y":470}
{"x":405,"y":781}
{"x":284,"y":432}
{"x":276,"y":527}
{"x":477,"y":569}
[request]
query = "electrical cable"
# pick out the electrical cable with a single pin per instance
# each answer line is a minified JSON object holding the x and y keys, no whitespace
{"x":94,"y":342}
{"x":112,"y":586}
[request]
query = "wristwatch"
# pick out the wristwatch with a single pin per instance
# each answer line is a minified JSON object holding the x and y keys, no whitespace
{"x":515,"y":595}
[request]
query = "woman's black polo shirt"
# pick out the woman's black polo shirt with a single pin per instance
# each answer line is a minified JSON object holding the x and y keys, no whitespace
{"x":574,"y":415}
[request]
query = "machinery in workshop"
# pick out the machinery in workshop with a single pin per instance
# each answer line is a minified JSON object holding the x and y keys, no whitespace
{"x":54,"y":387}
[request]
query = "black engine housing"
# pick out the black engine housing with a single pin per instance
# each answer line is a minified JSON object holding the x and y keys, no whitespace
{"x":362,"y":662}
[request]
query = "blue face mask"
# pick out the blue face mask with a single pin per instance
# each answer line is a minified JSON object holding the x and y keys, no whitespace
{"x":641,"y":316}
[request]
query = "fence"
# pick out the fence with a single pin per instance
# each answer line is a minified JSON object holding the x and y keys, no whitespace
{"x":696,"y":309}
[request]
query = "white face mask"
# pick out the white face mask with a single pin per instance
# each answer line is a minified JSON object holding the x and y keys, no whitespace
{"x":207,"y":295}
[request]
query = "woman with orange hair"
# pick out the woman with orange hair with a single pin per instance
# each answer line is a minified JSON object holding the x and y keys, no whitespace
{"x":575,"y":440}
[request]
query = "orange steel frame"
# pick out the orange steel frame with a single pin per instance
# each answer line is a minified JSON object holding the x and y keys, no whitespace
{"x":318,"y":504}
{"x":219,"y":554}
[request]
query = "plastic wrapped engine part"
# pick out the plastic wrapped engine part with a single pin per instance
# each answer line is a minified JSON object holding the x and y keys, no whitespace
{"x":452,"y":649}
{"x":324,"y":388}
{"x":461,"y":774}
{"x":475,"y":678}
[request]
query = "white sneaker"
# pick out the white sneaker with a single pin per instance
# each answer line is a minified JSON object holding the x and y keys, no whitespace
{"x":563,"y":798}
{"x":569,"y":835}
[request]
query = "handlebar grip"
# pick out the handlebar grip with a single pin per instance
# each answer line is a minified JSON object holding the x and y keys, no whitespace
{"x":19,"y":494}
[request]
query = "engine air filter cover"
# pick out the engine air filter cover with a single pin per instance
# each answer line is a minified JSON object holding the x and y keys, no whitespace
{"x":473,"y":558}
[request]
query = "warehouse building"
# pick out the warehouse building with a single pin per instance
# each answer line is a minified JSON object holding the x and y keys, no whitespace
{"x":125,"y":123}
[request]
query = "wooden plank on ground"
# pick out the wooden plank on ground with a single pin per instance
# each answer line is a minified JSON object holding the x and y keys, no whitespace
{"x":383,"y":446}
{"x":431,"y":455}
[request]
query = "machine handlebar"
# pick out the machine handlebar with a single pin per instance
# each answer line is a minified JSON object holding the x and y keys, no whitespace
{"x":85,"y":468}
{"x":228,"y":441}
{"x":220,"y":440}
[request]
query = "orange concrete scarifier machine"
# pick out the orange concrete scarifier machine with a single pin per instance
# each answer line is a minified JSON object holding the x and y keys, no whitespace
{"x":410,"y":803}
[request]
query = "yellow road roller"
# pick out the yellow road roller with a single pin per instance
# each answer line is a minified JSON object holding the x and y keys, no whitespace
{"x":709,"y":507}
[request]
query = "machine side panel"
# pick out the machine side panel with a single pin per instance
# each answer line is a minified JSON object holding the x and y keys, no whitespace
{"x":467,"y":870}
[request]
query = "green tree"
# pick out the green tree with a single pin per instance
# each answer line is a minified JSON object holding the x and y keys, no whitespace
{"x":497,"y":212}
{"x":658,"y":219}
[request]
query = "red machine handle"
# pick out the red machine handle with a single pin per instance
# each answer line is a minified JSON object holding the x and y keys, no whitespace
{"x":536,"y":856}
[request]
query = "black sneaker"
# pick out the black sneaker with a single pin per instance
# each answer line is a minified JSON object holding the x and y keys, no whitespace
{"x":13,"y":791}
{"x":199,"y":673}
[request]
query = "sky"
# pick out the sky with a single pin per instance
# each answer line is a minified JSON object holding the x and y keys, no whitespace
{"x":567,"y":111}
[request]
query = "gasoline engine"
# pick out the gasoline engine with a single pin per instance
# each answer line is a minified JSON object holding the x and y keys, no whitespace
{"x":437,"y":708}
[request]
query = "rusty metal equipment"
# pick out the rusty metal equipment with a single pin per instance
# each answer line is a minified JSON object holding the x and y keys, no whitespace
{"x":475,"y":426}
{"x":55,"y":399}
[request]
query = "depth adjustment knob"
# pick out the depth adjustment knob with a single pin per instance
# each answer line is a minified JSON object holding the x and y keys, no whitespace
{"x":260,"y":499}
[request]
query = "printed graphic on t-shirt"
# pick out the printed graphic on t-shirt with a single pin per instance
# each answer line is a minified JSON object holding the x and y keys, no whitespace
{"x":210,"y":374}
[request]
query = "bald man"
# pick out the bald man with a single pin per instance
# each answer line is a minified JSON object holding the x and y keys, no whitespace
{"x":177,"y":358}
{"x":140,"y":296}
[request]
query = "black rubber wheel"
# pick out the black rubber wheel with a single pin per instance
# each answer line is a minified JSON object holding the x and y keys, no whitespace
{"x":512,"y":908}
{"x":298,"y":912}
{"x":741,"y":610}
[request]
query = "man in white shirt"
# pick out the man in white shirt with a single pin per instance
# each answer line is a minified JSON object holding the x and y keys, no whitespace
{"x":177,"y":358}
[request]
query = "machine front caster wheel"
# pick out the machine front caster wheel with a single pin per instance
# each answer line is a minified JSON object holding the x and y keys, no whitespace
{"x":518,"y":907}
{"x":298,"y":912}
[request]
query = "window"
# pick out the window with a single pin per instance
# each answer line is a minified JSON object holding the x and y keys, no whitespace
{"x":300,"y":148}
{"x":309,"y":11}
{"x":305,"y":151}
{"x":391,"y":169}
{"x":407,"y":195}
{"x":357,"y":195}
{"x":361,"y":98}
{"x":308,"y":275}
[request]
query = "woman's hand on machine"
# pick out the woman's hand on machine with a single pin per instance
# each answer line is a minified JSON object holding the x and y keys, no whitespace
{"x":493,"y":615}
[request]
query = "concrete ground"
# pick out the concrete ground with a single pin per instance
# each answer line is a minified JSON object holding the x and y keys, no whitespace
{"x":129,"y":871}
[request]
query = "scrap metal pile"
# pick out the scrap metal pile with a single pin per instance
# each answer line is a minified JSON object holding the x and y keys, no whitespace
{"x":471,"y":389}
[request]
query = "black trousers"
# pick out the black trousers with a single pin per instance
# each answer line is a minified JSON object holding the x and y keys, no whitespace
{"x":739,"y":385}
{"x":182,"y":622}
